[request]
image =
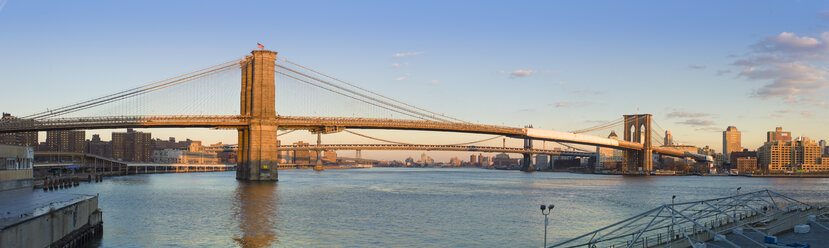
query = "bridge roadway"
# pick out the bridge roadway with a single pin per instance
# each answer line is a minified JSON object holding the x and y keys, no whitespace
{"x":417,"y":147}
{"x":323,"y":124}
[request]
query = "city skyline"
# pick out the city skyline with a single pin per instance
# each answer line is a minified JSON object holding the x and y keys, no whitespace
{"x":560,"y":66}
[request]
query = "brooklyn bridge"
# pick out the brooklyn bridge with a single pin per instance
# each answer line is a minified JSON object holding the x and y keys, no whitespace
{"x":258,"y":123}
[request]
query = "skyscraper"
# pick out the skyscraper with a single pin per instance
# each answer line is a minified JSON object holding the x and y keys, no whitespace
{"x":731,"y":140}
{"x":669,"y":139}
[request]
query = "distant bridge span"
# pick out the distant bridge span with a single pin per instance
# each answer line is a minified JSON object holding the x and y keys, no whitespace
{"x":419,"y":147}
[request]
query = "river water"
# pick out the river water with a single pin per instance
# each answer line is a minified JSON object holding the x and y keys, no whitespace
{"x":393,"y":207}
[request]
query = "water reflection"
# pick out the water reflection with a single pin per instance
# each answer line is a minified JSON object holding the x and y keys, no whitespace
{"x":254,"y":210}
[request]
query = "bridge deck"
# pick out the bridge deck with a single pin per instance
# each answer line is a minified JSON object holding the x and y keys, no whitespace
{"x":319,"y":123}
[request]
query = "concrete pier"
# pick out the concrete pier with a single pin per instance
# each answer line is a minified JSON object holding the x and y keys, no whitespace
{"x":39,"y":219}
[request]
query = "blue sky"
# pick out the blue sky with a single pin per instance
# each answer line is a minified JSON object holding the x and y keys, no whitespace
{"x":698,"y":66}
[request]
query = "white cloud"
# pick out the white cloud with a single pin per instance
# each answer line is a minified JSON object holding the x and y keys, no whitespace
{"x":395,"y":65}
{"x":683,"y":114}
{"x":408,"y":54}
{"x":433,"y":82}
{"x":697,"y":122}
{"x":400,"y":78}
{"x":521,"y":73}
{"x":562,"y":104}
{"x":790,"y":67}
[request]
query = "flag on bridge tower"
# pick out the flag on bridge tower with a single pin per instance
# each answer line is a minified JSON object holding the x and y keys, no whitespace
{"x":261,"y":47}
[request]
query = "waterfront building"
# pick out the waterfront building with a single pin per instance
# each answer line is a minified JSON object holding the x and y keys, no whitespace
{"x":16,"y":167}
{"x":541,"y":161}
{"x":742,"y":154}
{"x":503,"y":160}
{"x":806,"y":155}
{"x":132,"y":146}
{"x":731,"y":141}
{"x":485,"y":161}
{"x":302,"y":156}
{"x":611,"y":159}
{"x":454,"y":161}
{"x":669,"y":139}
{"x":96,"y":146}
{"x":822,"y":145}
{"x":227,"y":153}
{"x":65,"y":141}
{"x":473,"y":160}
{"x":170,"y":143}
{"x":746,"y":164}
{"x":329,"y":157}
{"x":801,"y":155}
{"x":775,"y":156}
{"x":18,"y":139}
{"x":778,"y":135}
{"x":174,"y":156}
{"x":707,"y":151}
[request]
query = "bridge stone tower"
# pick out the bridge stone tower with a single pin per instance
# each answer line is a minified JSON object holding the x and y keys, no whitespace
{"x":258,"y":155}
{"x":527,"y":162}
{"x":638,"y":129}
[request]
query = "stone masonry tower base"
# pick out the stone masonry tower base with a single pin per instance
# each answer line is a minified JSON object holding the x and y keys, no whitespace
{"x":258,"y":155}
{"x":638,"y":129}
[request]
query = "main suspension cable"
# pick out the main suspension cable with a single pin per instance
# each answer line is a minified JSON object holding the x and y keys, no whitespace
{"x":371,"y":92}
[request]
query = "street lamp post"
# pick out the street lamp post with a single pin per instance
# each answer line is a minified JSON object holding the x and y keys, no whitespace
{"x":545,"y":213}
{"x":672,"y":219}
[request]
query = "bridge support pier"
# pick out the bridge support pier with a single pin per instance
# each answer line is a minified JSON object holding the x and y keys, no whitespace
{"x":638,"y":129}
{"x":258,"y":155}
{"x":527,"y":163}
{"x":318,"y":166}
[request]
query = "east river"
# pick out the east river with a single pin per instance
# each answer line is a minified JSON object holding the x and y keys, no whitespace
{"x":393,"y":207}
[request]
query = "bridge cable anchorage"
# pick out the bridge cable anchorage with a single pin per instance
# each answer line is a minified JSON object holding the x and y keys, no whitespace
{"x":346,"y":95}
{"x":135,"y":91}
{"x":360,"y":94}
{"x":371,"y":92}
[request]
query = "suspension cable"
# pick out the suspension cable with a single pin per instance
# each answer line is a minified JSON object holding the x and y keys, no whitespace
{"x":362,"y":95}
{"x":371,"y":92}
{"x":286,"y":132}
{"x":374,"y":138}
{"x":600,"y":126}
{"x":343,"y":94}
{"x":132,"y":92}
